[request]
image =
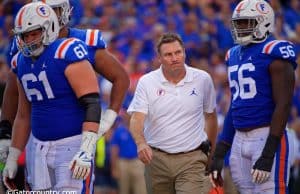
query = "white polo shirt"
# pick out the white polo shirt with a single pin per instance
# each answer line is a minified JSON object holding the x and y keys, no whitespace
{"x":174,"y":113}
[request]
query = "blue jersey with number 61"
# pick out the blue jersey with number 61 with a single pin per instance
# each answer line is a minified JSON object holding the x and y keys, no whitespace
{"x":250,"y":82}
{"x":92,"y":38}
{"x":55,"y":112}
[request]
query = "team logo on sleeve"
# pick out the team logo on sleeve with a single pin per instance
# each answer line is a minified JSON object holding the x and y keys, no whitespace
{"x":262,"y":8}
{"x":43,"y":11}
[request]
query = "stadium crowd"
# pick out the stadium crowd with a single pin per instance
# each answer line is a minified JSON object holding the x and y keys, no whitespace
{"x":131,"y":28}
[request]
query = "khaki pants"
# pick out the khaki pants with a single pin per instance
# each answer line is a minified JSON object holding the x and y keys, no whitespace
{"x":180,"y":173}
{"x":131,"y":177}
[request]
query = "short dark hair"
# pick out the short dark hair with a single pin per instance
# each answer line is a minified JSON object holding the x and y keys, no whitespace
{"x":168,"y":38}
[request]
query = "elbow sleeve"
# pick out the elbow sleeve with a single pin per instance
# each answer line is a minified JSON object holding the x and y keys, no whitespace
{"x":91,"y":104}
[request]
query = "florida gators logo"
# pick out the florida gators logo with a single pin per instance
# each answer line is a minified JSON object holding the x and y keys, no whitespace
{"x":43,"y":11}
{"x":239,"y":8}
{"x":262,"y":8}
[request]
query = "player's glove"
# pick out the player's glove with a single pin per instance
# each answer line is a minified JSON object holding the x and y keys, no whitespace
{"x":262,"y":168}
{"x":216,"y":166}
{"x":11,"y":167}
{"x":107,"y":120}
{"x":82,"y":161}
{"x":5,"y":139}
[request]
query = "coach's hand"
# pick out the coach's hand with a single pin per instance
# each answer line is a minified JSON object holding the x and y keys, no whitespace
{"x":261,"y":170}
{"x":5,"y":136}
{"x":144,"y":153}
{"x":82,"y":162}
{"x":11,"y":167}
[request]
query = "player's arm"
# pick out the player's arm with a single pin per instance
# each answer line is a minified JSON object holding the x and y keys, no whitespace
{"x":21,"y":127}
{"x":20,"y":134}
{"x":108,"y":66}
{"x":10,"y":99}
{"x":8,"y":114}
{"x":83,"y":81}
{"x":222,"y":147}
{"x":224,"y":143}
{"x":136,"y":127}
{"x":283,"y":81}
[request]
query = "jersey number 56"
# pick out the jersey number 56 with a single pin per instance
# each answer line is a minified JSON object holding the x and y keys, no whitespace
{"x":240,"y":84}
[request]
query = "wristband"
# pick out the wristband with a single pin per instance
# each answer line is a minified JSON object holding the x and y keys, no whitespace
{"x":88,"y":143}
{"x":107,"y":120}
{"x":271,"y":146}
{"x":13,"y":154}
{"x":221,"y":149}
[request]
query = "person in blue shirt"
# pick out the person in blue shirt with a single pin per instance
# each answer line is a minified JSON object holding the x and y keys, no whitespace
{"x":125,"y":163}
{"x":261,"y":79}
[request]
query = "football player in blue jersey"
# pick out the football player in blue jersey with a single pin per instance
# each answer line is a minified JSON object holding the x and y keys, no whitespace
{"x":58,"y":103}
{"x":261,"y":78}
{"x":103,"y":62}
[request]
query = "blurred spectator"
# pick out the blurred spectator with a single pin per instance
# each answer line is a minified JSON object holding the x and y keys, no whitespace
{"x":282,"y":30}
{"x":296,"y":39}
{"x":105,"y":183}
{"x":77,"y":11}
{"x":3,"y":44}
{"x":292,"y":13}
{"x":294,"y":186}
{"x":3,"y":77}
{"x":8,"y":26}
{"x":190,"y":37}
{"x":126,"y":167}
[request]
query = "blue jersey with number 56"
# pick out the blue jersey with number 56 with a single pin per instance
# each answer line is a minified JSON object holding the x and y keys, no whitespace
{"x":55,"y":112}
{"x":250,"y":82}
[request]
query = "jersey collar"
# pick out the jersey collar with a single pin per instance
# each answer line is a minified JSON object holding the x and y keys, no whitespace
{"x":187,"y":78}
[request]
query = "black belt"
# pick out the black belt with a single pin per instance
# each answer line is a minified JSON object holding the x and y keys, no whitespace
{"x":252,"y":128}
{"x":205,"y":147}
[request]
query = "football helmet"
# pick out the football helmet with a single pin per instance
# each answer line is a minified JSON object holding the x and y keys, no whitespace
{"x":33,"y":16}
{"x":252,"y":21}
{"x":64,"y":8}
